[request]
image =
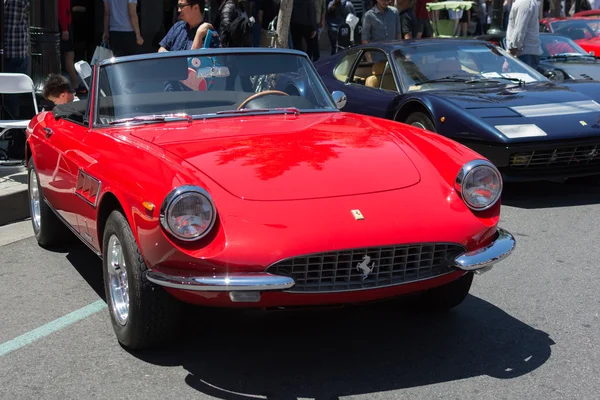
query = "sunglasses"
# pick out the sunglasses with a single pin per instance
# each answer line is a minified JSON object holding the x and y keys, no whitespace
{"x":182,"y":5}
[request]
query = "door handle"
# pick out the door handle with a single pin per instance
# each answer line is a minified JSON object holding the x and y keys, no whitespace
{"x":49,"y":132}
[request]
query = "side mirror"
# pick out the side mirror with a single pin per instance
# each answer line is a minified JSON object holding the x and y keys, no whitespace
{"x":339,"y":98}
{"x":550,"y":74}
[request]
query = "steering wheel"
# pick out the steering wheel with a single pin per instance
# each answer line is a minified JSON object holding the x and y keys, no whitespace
{"x":260,"y":94}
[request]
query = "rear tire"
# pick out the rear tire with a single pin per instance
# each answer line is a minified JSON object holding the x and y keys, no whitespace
{"x":420,"y":120}
{"x":142,"y":314}
{"x":48,"y":229}
{"x":448,"y":296}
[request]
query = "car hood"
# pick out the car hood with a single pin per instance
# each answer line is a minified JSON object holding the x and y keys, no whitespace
{"x":589,"y":44}
{"x":552,"y":111}
{"x":283,"y":157}
{"x":578,"y":69}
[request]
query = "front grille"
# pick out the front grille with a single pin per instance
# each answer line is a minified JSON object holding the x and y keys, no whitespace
{"x":341,"y":270}
{"x":563,"y":159}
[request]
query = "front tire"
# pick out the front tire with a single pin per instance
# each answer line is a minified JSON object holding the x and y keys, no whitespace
{"x":142,"y":314}
{"x":48,"y":229}
{"x":420,"y":120}
{"x":448,"y":296}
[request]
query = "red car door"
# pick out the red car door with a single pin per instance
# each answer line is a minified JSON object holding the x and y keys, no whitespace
{"x":58,"y":156}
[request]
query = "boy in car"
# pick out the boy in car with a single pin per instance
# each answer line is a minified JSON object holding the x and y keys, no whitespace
{"x":57,"y":89}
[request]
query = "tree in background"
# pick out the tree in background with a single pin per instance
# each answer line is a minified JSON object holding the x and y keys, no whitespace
{"x":283,"y":22}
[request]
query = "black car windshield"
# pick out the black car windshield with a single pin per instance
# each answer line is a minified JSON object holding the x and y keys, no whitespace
{"x":218,"y":84}
{"x":557,"y":46}
{"x":577,"y":29}
{"x":452,"y":66}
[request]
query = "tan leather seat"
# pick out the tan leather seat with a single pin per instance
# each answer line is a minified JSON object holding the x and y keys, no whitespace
{"x":376,"y":72}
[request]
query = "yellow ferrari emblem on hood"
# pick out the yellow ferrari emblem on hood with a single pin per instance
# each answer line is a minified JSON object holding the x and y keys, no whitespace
{"x":583,"y":123}
{"x":357,"y":215}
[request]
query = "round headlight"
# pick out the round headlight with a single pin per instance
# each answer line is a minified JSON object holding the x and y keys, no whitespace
{"x":480,"y":184}
{"x":188,"y":213}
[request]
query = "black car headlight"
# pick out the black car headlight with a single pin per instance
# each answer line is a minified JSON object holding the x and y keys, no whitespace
{"x":188,"y":213}
{"x":480,"y":184}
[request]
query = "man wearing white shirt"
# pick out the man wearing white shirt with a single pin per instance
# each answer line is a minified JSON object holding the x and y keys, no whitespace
{"x":523,"y":33}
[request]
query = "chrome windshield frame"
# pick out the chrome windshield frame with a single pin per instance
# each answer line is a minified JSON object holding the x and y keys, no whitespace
{"x":99,"y":67}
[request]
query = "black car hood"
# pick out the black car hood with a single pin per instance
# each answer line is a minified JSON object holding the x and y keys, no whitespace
{"x":554,"y":111}
{"x":577,"y":69}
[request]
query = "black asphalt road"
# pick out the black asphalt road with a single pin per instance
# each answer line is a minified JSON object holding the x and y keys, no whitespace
{"x":529,"y":330}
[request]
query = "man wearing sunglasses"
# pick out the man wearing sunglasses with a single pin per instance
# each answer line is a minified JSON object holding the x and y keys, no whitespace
{"x":189,"y":33}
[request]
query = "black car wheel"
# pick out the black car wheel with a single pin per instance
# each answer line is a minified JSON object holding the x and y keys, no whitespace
{"x":447,"y":296}
{"x":420,"y":120}
{"x":48,"y":229}
{"x":142,"y":314}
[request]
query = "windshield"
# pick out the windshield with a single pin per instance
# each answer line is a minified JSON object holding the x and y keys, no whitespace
{"x":555,"y":45}
{"x":202,"y":86}
{"x":577,"y":29}
{"x":451,"y":66}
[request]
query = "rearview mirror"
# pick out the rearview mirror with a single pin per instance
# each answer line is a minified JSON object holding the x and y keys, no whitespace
{"x":212,"y":72}
{"x":339,"y":98}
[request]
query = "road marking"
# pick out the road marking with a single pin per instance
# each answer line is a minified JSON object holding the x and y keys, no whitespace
{"x":51,"y":327}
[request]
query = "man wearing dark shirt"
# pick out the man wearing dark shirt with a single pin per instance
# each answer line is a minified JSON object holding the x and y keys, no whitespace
{"x":189,"y":33}
{"x":337,"y":11}
{"x":408,"y":20}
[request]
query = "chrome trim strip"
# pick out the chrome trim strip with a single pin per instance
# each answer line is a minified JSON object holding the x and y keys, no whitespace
{"x":222,"y":283}
{"x":202,"y":53}
{"x":486,"y":257}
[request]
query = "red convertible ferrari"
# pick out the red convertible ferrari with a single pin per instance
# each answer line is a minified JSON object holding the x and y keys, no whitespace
{"x":230,"y":178}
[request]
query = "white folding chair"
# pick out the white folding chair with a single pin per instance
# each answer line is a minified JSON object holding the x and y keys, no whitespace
{"x":16,"y":84}
{"x":84,"y":70}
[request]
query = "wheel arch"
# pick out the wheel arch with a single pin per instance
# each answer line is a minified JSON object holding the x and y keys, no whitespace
{"x":413,"y":106}
{"x":108,"y":203}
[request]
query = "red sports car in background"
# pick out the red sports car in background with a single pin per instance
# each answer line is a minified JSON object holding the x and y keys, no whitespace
{"x":585,"y":31}
{"x":193,"y":189}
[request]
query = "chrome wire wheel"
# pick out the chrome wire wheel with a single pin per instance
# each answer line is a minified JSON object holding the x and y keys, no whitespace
{"x":34,"y":200}
{"x":119,"y":288}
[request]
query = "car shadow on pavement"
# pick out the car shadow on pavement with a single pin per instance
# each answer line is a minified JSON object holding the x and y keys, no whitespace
{"x":532,"y":195}
{"x":329,"y":353}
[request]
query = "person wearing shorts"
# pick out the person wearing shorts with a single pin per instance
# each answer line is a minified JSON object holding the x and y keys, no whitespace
{"x":66,"y":40}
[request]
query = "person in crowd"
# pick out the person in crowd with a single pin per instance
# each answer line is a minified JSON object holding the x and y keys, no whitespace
{"x":303,"y":25}
{"x":267,"y":11}
{"x":16,"y":46}
{"x":523,"y":33}
{"x":190,"y":31}
{"x":381,"y":23}
{"x":337,"y":11}
{"x":424,"y":29}
{"x":121,"y":27}
{"x":320,"y":16}
{"x":463,"y":23}
{"x":16,"y":36}
{"x":408,"y":20}
{"x":67,"y":50}
{"x":234,"y":24}
{"x":58,"y":90}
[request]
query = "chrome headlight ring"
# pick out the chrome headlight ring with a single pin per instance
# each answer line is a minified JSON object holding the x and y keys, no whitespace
{"x":185,"y":193}
{"x":467,"y":172}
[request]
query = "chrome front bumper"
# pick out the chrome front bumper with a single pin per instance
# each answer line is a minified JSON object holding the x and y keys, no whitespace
{"x":223,"y":283}
{"x":478,"y":261}
{"x":483,"y":259}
